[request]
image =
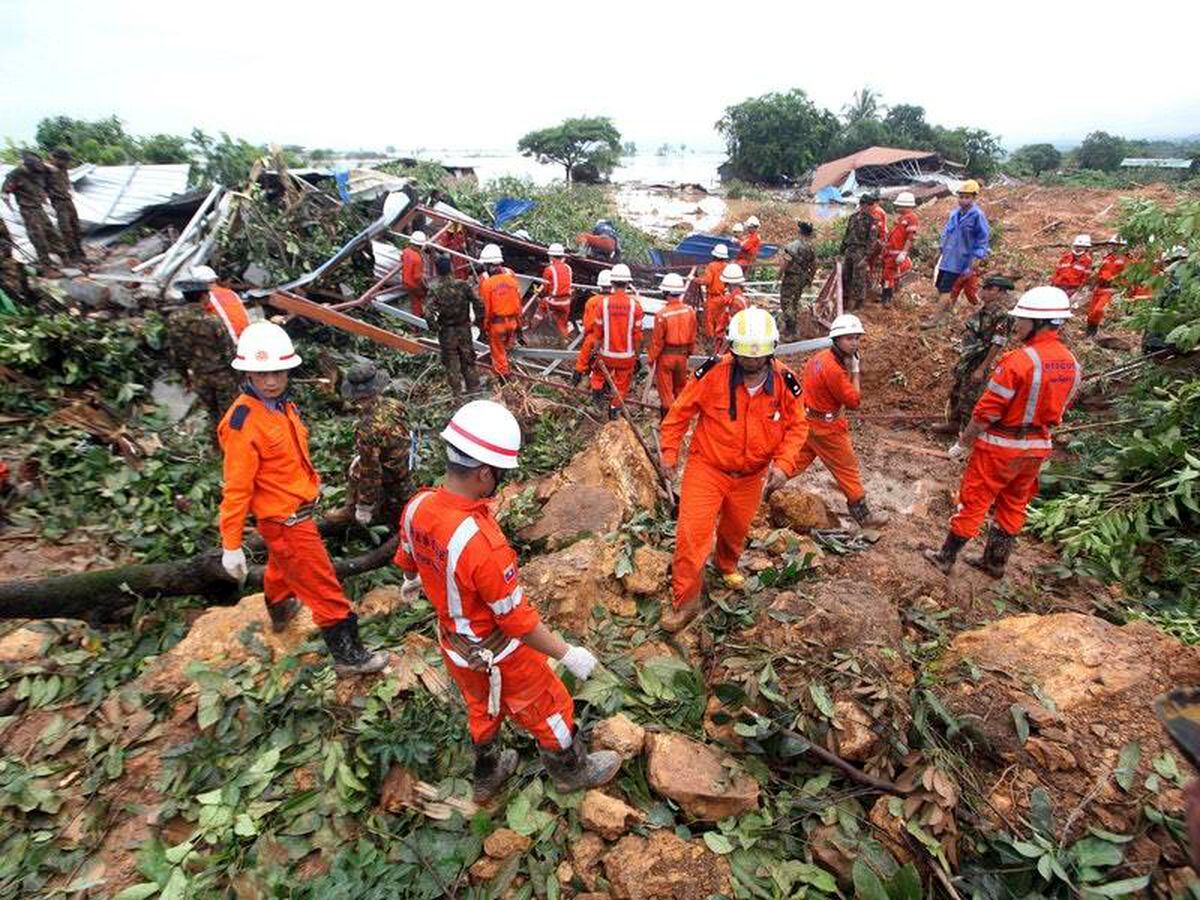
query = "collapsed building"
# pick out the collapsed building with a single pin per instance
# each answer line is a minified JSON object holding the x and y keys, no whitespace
{"x":886,"y":171}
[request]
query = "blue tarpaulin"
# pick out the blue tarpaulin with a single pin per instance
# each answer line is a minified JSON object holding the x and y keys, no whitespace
{"x":508,"y":208}
{"x":828,"y":194}
{"x":701,"y":246}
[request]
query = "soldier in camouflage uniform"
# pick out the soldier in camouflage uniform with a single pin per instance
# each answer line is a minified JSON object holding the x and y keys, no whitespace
{"x":799,"y":268}
{"x":448,"y":312}
{"x":58,"y":186}
{"x":985,"y":334}
{"x":12,"y":273}
{"x":379,"y":473}
{"x":200,"y":348}
{"x":857,"y":242}
{"x":27,"y":182}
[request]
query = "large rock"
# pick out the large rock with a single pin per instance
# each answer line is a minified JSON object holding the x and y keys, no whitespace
{"x":504,"y":842}
{"x":649,"y":575}
{"x":665,"y":867}
{"x":615,"y":461}
{"x":854,"y":739}
{"x":706,"y":783}
{"x":573,"y":511}
{"x":800,"y":510}
{"x":586,"y":851}
{"x":91,"y":294}
{"x":567,"y":584}
{"x":1086,"y":689}
{"x":22,"y":645}
{"x":619,"y":734}
{"x":607,"y":816}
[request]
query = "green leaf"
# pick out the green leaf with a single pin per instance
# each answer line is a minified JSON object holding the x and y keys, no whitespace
{"x":1117,"y":888}
{"x":905,"y":884}
{"x":1110,"y":836}
{"x":816,"y":784}
{"x":138,"y":891}
{"x":1040,"y":810}
{"x":176,"y":888}
{"x":821,"y":698}
{"x":1127,"y":763}
{"x":1166,"y":766}
{"x":718,"y":843}
{"x":1032,"y":851}
{"x":243,"y":826}
{"x":867,"y":885}
{"x":1021,"y":721}
{"x":208,"y":710}
{"x":1094,"y":852}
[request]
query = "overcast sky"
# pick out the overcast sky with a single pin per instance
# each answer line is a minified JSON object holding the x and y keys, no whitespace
{"x":479,"y":75}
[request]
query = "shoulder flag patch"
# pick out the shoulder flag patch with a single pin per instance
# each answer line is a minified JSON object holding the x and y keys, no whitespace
{"x":703,"y":368}
{"x":238,"y":419}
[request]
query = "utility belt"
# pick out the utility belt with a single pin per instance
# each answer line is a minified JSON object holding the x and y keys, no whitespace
{"x":677,"y":349}
{"x":302,"y":514}
{"x":1019,"y":431}
{"x":481,"y":656}
{"x":494,"y":319}
{"x":746,"y":473}
{"x":822,"y":416}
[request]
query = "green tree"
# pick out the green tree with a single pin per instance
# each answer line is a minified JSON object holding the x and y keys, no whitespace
{"x":906,"y":127}
{"x":103,"y":141}
{"x":225,"y":161}
{"x":1101,"y":150}
{"x":776,"y":136}
{"x":164,"y":148}
{"x":860,"y":135}
{"x":1037,"y":158}
{"x":864,"y":105}
{"x":629,"y":148}
{"x":592,"y":142}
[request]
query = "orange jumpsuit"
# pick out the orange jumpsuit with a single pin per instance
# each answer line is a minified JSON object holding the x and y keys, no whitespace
{"x":1029,"y":391}
{"x":501,"y":296}
{"x":229,"y":308}
{"x":412,"y":276}
{"x":902,"y":234}
{"x":828,"y":390}
{"x":269,"y":473}
{"x":1110,"y":270}
{"x":731,"y":304}
{"x":748,"y":253}
{"x":456,"y":240}
{"x":671,"y":343}
{"x":714,"y":292}
{"x":556,"y":295}
{"x":591,"y":313}
{"x":469,"y":573}
{"x":1073,"y":271}
{"x":617,"y":336}
{"x":876,"y":254}
{"x":737,"y":437}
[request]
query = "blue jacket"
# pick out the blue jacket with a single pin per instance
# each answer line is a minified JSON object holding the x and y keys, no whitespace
{"x":965,"y":238}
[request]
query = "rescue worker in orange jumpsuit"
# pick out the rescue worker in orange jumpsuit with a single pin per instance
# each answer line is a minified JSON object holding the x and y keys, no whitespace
{"x":268,"y":472}
{"x":730,"y":304}
{"x":455,"y":238}
{"x":1074,"y":267}
{"x":555,"y":294}
{"x":1111,"y":267}
{"x":748,"y":436}
{"x":875,"y":259}
{"x":591,"y":315}
{"x":831,"y":385}
{"x":494,"y":644}
{"x":714,"y":290}
{"x":616,"y":339}
{"x":501,"y":295}
{"x":672,"y":342}
{"x":751,"y":246}
{"x":899,"y":243}
{"x":412,"y":272}
{"x":1009,"y":434}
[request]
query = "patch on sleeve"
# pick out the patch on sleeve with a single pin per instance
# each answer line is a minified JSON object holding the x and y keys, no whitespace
{"x":238,"y":419}
{"x":510,"y":574}
{"x":793,"y":383}
{"x":704,"y":367}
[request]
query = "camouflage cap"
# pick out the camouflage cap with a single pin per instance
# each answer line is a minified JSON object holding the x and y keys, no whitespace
{"x":363,"y":380}
{"x":1000,"y":282}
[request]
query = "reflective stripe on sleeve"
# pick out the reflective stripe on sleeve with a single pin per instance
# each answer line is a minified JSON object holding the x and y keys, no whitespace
{"x":1035,"y":387}
{"x":507,"y":604}
{"x":1001,"y":390}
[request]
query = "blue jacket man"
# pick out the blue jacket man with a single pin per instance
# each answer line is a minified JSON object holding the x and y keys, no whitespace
{"x":965,"y":240}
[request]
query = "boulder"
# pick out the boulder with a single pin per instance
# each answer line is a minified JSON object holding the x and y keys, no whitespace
{"x":567,"y":584}
{"x":607,"y":816}
{"x":380,"y":601}
{"x":87,"y":293}
{"x":649,"y":575}
{"x":22,"y":645}
{"x":585,"y":858}
{"x":504,"y":842}
{"x":706,"y":783}
{"x":799,"y":509}
{"x":573,"y":511}
{"x":615,"y":461}
{"x":619,"y":733}
{"x":665,"y":867}
{"x":485,"y":869}
{"x":853,"y":737}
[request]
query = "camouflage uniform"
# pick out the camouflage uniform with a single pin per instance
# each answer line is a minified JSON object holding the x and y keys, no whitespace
{"x":28,"y":187}
{"x":380,"y":480}
{"x":12,"y":273}
{"x":448,"y":311}
{"x":800,"y":267}
{"x":199,"y":348}
{"x":860,"y":237}
{"x":58,"y":186}
{"x":987,"y":327}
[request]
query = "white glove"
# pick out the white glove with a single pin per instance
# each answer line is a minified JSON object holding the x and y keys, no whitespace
{"x":363,"y":514}
{"x":411,"y":588}
{"x":901,"y":256}
{"x":852,"y":365}
{"x":579,"y":662}
{"x":958,"y":451}
{"x":234,"y":562}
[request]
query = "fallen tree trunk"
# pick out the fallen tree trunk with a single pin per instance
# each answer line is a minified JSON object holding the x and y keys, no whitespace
{"x":101,"y":594}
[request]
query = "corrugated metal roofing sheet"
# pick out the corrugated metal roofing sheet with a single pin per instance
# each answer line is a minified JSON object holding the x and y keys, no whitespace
{"x":835,"y":172}
{"x":1134,"y":162}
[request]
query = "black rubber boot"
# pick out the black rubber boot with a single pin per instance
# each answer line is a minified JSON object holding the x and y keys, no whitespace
{"x":614,"y":413}
{"x":885,"y":296}
{"x":864,"y":517}
{"x":994,"y":558}
{"x":575,"y":768}
{"x":282,"y":613}
{"x":944,"y":558}
{"x":493,"y":767}
{"x":350,"y":657}
{"x":1092,"y":330}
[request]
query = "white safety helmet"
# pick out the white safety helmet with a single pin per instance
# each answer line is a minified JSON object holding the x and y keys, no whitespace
{"x":486,"y":433}
{"x":202,"y":273}
{"x":604,"y":279}
{"x":752,"y":332}
{"x":672,"y":283}
{"x":732,"y":274}
{"x":845,"y":324}
{"x":720,"y":251}
{"x":556,"y":249}
{"x":738,"y":228}
{"x":1082,"y":241}
{"x":1118,"y":240}
{"x":752,"y":222}
{"x":1042,"y":302}
{"x":491,"y":255}
{"x":265,"y":347}
{"x":620,"y":274}
{"x":417,"y":239}
{"x":905,"y":199}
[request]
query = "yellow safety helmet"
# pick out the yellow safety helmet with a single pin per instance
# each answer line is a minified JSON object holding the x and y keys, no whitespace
{"x":970,"y":186}
{"x":752,"y":332}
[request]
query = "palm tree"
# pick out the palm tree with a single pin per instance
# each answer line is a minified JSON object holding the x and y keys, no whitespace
{"x":864,"y":104}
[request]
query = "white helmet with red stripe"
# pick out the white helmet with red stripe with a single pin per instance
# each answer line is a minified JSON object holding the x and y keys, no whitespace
{"x":1043,"y":302}
{"x":265,"y":347}
{"x":486,"y":432}
{"x":672,"y":283}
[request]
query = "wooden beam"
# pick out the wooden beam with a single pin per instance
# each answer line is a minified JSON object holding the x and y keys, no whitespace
{"x":299,"y":306}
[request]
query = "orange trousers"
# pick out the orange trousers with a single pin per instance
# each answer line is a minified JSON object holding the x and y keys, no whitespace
{"x":831,"y":444}
{"x":298,"y":565}
{"x":559,"y":310}
{"x":1004,"y":478}
{"x":711,"y":501}
{"x":670,"y":375}
{"x":416,"y":297}
{"x":966,"y":284}
{"x":530,"y":693}
{"x":714,"y":309}
{"x":1101,"y":297}
{"x":501,"y":336}
{"x":622,"y":376}
{"x":892,"y":270}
